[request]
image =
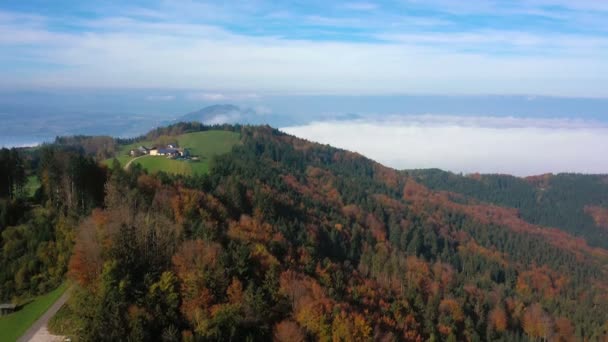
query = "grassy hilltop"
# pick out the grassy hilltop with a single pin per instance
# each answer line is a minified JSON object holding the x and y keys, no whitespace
{"x":205,"y":145}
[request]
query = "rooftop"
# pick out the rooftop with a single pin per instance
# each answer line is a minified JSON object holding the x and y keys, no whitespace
{"x":168,"y":150}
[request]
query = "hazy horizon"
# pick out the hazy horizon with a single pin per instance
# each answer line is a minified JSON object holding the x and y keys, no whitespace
{"x":522,"y":145}
{"x":398,"y":72}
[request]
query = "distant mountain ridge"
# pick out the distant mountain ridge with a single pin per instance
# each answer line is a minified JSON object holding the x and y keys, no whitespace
{"x":220,"y":114}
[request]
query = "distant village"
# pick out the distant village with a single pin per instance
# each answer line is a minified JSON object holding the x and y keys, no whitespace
{"x":170,"y":151}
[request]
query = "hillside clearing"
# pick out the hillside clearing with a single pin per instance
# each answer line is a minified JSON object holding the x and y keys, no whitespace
{"x":204,"y":145}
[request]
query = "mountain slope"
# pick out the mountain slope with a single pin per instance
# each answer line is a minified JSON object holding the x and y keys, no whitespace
{"x":566,"y":201}
{"x":293,"y":240}
{"x":220,"y":114}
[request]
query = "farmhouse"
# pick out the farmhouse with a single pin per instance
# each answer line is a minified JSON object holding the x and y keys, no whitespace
{"x":140,"y":151}
{"x":169,"y":152}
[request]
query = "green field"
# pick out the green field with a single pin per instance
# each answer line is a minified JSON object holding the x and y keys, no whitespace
{"x":159,"y":163}
{"x":14,"y":325}
{"x":210,"y":143}
{"x":32,"y":184}
{"x":123,"y":156}
{"x":205,"y":145}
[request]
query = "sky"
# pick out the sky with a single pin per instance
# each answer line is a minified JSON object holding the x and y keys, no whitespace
{"x":539,"y":47}
{"x":468,"y":86}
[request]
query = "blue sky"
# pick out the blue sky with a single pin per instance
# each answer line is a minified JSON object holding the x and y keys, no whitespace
{"x":446,"y":47}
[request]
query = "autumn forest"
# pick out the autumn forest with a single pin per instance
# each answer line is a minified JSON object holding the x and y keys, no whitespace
{"x":289,"y":240}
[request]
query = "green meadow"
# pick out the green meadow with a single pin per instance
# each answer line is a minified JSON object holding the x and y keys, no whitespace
{"x":14,"y":325}
{"x":204,"y":145}
{"x":158,"y":163}
{"x":32,"y":185}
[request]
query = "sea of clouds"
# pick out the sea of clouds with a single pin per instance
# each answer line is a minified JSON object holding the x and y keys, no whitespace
{"x":511,"y":145}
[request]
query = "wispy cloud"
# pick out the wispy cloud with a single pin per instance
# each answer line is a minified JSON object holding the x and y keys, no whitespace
{"x":206,"y":97}
{"x":464,"y":144}
{"x":361,"y":6}
{"x":160,"y":97}
{"x":495,"y":122}
{"x":538,"y":15}
{"x":497,"y":7}
{"x":582,"y":5}
{"x":215,"y":97}
{"x":369,"y":49}
{"x":514,"y":42}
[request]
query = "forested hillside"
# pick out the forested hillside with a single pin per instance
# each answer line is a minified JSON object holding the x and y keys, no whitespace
{"x":575,"y":203}
{"x":289,"y":240}
{"x":37,"y":230}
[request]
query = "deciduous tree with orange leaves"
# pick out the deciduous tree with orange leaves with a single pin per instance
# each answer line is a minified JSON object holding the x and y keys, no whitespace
{"x":537,"y":323}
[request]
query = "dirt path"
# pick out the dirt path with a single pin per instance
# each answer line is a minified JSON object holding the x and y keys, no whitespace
{"x":38,"y":331}
{"x":132,"y":160}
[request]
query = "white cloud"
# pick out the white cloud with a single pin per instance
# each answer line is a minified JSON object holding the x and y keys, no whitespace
{"x":128,"y":52}
{"x":224,"y":118}
{"x":360,"y":6}
{"x":206,"y":97}
{"x":214,"y":97}
{"x":467,"y":144}
{"x":503,"y":122}
{"x":538,"y":7}
{"x":581,"y":5}
{"x":335,"y":22}
{"x":160,"y":97}
{"x":232,"y":62}
{"x":262,"y":110}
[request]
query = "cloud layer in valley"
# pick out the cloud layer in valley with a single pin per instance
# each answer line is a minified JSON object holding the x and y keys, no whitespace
{"x":464,"y":144}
